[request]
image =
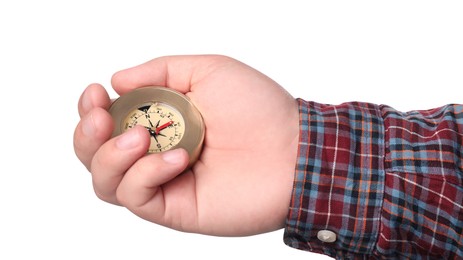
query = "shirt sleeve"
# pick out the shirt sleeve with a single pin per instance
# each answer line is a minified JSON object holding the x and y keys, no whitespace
{"x":373,"y":183}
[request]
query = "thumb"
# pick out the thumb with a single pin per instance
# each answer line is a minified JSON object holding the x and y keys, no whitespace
{"x":141,"y":185}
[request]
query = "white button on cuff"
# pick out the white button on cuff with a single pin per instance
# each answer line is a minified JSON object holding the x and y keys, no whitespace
{"x":326,"y":236}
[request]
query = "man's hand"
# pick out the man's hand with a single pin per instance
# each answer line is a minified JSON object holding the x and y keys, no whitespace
{"x":242,"y":182}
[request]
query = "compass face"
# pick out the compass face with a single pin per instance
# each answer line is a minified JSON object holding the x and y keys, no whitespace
{"x":169,"y":116}
{"x":164,"y":123}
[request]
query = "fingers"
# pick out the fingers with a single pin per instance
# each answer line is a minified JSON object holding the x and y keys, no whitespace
{"x":140,"y":190}
{"x":114,"y":158}
{"x":96,"y":124}
{"x":178,"y":72}
{"x":93,"y":130}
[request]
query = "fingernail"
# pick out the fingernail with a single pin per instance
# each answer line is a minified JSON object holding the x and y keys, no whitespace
{"x":172,"y":156}
{"x":88,"y":126}
{"x":128,"y":140}
{"x":86,"y":101}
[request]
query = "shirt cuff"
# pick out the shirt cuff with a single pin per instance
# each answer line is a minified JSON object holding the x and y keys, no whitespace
{"x":339,"y":180}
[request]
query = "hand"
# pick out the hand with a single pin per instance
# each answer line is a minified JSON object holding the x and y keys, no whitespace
{"x":243,"y":180}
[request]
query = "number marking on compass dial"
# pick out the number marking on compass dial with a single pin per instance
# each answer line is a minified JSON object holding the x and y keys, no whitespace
{"x":164,"y":123}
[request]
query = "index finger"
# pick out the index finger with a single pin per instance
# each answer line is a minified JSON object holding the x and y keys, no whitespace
{"x":178,"y":72}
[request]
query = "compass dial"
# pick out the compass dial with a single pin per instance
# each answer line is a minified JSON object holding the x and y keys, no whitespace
{"x":169,"y":116}
{"x":164,"y":123}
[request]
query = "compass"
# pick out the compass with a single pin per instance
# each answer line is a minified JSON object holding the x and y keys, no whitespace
{"x":169,"y":116}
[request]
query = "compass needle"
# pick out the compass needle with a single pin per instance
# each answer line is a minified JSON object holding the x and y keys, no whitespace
{"x":160,"y":128}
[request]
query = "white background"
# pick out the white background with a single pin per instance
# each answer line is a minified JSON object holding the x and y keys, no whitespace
{"x":407,"y":54}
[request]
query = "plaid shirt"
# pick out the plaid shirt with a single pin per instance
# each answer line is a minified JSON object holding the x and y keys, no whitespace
{"x":389,"y":185}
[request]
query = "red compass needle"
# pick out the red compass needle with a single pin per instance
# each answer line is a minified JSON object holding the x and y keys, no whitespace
{"x":160,"y":128}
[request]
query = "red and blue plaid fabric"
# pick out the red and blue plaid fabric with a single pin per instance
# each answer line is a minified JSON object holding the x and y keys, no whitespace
{"x":388,"y":184}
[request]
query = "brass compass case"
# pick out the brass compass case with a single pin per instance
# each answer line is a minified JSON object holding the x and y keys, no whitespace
{"x":169,"y":116}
